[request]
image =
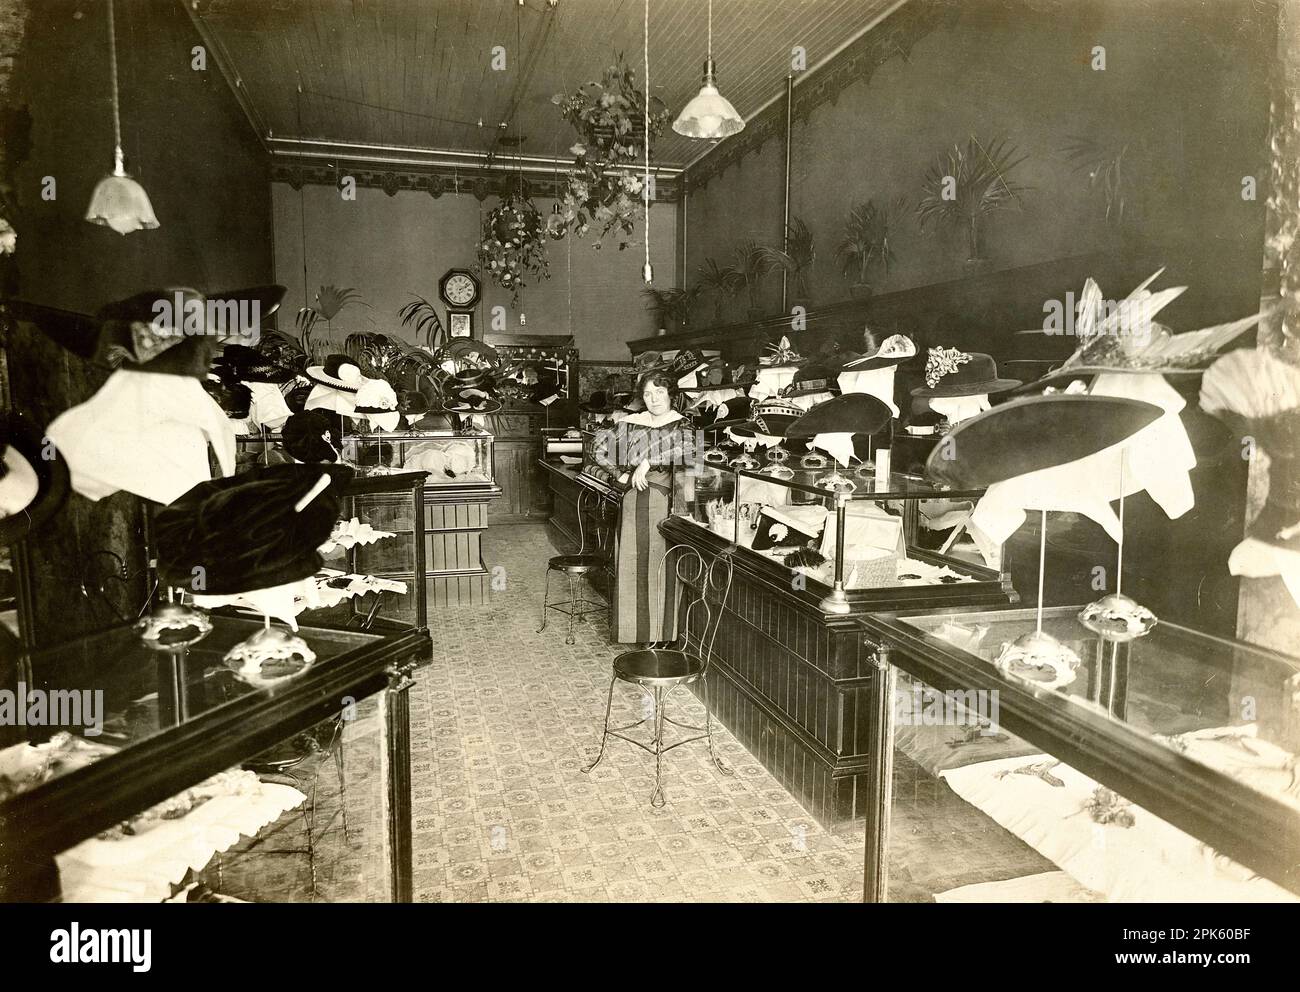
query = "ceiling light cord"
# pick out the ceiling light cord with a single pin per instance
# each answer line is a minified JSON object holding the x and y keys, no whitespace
{"x":119,"y":163}
{"x":648,"y":272}
{"x":710,"y":29}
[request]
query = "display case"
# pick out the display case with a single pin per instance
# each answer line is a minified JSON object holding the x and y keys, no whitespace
{"x":1159,"y":769}
{"x":455,"y":460}
{"x":164,"y":770}
{"x":854,"y":548}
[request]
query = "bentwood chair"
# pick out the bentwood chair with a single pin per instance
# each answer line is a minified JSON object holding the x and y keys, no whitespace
{"x":577,"y":569}
{"x":658,"y":672}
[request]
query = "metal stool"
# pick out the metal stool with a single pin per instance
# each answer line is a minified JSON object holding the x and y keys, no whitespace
{"x":659,"y":672}
{"x":577,"y":568}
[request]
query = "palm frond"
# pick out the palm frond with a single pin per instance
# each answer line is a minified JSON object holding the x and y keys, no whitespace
{"x":331,"y":299}
{"x":969,"y":181}
{"x":423,"y":316}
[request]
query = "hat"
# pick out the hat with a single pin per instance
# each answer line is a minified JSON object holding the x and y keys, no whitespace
{"x":240,"y":363}
{"x":950,"y":372}
{"x":337,"y":372}
{"x":251,"y":531}
{"x":33,"y":479}
{"x":852,"y":413}
{"x":467,"y":377}
{"x":412,"y":403}
{"x":685,"y":362}
{"x":311,"y":437}
{"x":1034,"y":433}
{"x":597,"y":402}
{"x":1159,"y":350}
{"x":817,"y":376}
{"x":167,"y":331}
{"x":647,"y":361}
{"x":376,"y":396}
{"x":470,"y":349}
{"x":894,"y":349}
{"x":234,"y":398}
{"x":772,"y":417}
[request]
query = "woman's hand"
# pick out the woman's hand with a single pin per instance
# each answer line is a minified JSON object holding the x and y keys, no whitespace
{"x":640,"y":477}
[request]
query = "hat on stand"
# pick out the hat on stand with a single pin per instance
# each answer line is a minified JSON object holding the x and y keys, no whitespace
{"x":816,"y":376}
{"x":336,"y":372}
{"x":376,"y":400}
{"x":234,"y":398}
{"x":837,"y":424}
{"x":240,"y":363}
{"x":769,"y":418}
{"x":311,"y":437}
{"x":258,"y":529}
{"x":32,"y":485}
{"x":952,"y":372}
{"x":1034,"y":433}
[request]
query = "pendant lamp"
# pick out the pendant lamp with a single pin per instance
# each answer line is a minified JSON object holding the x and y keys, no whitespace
{"x":709,"y":115}
{"x":119,"y":201}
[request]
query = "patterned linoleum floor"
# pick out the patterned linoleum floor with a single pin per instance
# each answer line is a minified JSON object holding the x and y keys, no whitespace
{"x":503,"y":722}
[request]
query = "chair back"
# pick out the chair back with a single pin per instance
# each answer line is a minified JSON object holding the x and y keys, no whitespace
{"x":710,"y":586}
{"x":588,"y":501}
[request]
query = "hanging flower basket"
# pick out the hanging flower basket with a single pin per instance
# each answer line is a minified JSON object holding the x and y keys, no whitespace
{"x":512,"y":248}
{"x":605,"y":187}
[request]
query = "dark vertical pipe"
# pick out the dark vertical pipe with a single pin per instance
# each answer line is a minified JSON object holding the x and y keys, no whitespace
{"x":785,"y":212}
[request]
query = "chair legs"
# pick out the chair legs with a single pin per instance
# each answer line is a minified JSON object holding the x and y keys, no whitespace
{"x":546,"y":600}
{"x":577,"y":606}
{"x":656,"y":744}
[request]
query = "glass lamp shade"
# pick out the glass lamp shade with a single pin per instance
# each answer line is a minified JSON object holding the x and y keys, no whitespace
{"x":709,"y":114}
{"x":121,"y":203}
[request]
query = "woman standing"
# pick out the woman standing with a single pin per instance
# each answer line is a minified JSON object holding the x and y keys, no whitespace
{"x":644,"y":449}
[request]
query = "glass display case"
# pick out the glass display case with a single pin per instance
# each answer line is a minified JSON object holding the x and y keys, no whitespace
{"x":155,"y":774}
{"x":1158,"y":769}
{"x":851,"y":536}
{"x":455,"y":459}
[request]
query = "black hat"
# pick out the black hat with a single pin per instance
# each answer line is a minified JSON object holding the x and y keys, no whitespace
{"x":234,"y":398}
{"x":309,"y":436}
{"x":852,"y":413}
{"x":412,"y":402}
{"x":597,"y":402}
{"x":733,"y":412}
{"x":950,"y":372}
{"x":1278,"y":522}
{"x":1034,"y":433}
{"x":685,"y":362}
{"x":33,"y":479}
{"x":245,"y":532}
{"x":240,"y":363}
{"x":817,"y":376}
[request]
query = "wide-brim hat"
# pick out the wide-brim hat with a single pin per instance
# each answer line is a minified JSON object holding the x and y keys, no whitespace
{"x":483,"y":404}
{"x":852,"y":413}
{"x":893,"y":350}
{"x":770,"y":417}
{"x":32,"y":487}
{"x":244,"y":533}
{"x":1034,"y":433}
{"x":472,"y":349}
{"x":950,"y":372}
{"x":337,"y":372}
{"x":1159,"y":351}
{"x":733,"y":412}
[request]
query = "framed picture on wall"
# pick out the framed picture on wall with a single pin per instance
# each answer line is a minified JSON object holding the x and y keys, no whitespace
{"x":460,"y":324}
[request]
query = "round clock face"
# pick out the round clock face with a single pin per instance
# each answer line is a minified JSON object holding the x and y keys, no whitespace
{"x":459,"y":290}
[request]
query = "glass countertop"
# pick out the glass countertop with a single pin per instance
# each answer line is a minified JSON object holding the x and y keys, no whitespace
{"x":135,"y":694}
{"x":1231,"y":706}
{"x":901,"y":485}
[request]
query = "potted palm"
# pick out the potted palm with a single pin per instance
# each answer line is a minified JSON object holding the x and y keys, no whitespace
{"x":671,"y":307}
{"x":423,"y":316}
{"x":795,"y":260}
{"x":867,"y":244}
{"x":330,"y":301}
{"x":722,"y":282}
{"x":966,"y":184}
{"x":753,"y":266}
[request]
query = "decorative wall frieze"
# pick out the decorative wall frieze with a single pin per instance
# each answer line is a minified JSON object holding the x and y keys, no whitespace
{"x":435,"y":180}
{"x":893,"y":38}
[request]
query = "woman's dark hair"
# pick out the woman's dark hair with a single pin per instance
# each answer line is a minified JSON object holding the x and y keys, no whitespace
{"x":660,"y":377}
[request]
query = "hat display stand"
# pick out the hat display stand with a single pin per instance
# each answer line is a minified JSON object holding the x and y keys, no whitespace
{"x":1118,"y":618}
{"x":776,"y":464}
{"x":1037,"y":656}
{"x":255,"y":660}
{"x":173,"y":626}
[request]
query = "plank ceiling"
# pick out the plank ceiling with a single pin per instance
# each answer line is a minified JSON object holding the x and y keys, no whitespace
{"x":417,"y":73}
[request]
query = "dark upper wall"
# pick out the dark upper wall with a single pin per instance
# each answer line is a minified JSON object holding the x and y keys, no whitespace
{"x":1185,"y":86}
{"x":188,"y":143}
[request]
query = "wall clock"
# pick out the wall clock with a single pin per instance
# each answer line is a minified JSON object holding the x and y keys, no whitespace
{"x":459,"y":289}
